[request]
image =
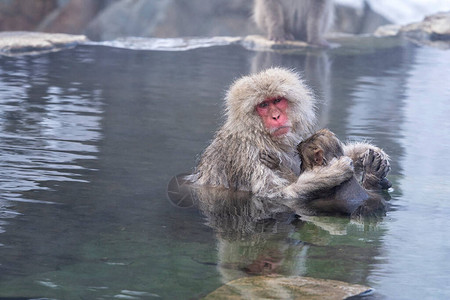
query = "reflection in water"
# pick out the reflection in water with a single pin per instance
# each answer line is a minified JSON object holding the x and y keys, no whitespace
{"x":44,"y":129}
{"x":422,"y":219}
{"x":258,"y":236}
{"x":253,"y":234}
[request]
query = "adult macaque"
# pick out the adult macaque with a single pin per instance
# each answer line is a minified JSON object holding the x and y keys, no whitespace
{"x":271,"y":112}
{"x":349,"y":197}
{"x":306,"y":20}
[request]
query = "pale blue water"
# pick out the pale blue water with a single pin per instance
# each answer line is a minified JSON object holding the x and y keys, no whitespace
{"x":89,"y":138}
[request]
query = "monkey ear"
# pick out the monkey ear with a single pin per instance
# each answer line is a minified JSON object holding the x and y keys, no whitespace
{"x":318,"y":157}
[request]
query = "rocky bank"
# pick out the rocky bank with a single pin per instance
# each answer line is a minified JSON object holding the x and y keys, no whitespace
{"x":103,"y":20}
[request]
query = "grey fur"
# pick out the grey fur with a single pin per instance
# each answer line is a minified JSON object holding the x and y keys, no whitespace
{"x":232,"y":160}
{"x":306,"y":20}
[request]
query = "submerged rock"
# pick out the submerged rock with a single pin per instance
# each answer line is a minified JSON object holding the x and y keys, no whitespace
{"x":295,"y":287}
{"x":434,"y":30}
{"x":24,"y":42}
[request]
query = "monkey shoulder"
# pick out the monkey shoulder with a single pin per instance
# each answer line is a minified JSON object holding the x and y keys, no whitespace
{"x":228,"y":161}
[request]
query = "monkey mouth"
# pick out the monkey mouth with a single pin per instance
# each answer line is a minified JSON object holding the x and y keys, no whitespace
{"x":280,"y":131}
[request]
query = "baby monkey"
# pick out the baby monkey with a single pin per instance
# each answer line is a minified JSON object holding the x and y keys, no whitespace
{"x":348,"y":198}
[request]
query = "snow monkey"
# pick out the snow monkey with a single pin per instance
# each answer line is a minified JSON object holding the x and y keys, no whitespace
{"x":306,"y":20}
{"x":271,"y":112}
{"x":320,"y":149}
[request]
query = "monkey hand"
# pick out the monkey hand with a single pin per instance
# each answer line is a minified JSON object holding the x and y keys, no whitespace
{"x":343,"y":167}
{"x":273,"y":162}
{"x":375,"y":167}
{"x":270,"y":160}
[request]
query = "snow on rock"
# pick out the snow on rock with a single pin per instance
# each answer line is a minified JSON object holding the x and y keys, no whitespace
{"x":401,"y":11}
{"x":24,"y":42}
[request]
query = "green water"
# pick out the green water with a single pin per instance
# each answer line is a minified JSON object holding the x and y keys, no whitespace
{"x":90,"y":137}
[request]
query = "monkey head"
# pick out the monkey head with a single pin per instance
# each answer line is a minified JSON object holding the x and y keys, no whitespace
{"x":319,"y":149}
{"x":274,"y":103}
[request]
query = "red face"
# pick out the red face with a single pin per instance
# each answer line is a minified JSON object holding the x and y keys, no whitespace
{"x":273,"y":113}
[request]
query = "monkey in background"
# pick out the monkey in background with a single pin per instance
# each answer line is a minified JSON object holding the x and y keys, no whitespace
{"x":306,"y":20}
{"x":271,"y":112}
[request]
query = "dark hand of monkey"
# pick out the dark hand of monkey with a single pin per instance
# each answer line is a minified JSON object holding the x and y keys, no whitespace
{"x":273,"y":162}
{"x":375,"y":168}
{"x":270,"y":160}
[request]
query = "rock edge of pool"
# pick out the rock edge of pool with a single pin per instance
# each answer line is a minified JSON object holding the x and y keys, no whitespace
{"x":433,"y":31}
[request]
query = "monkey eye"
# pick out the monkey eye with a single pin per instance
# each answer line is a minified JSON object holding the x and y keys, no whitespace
{"x":263,"y":104}
{"x":278,"y":100}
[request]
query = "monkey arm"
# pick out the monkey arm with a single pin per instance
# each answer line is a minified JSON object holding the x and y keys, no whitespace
{"x":315,"y":180}
{"x":288,"y":174}
{"x":371,"y":164}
